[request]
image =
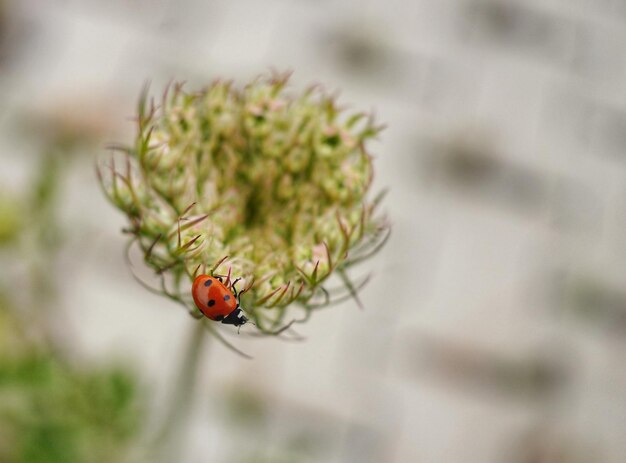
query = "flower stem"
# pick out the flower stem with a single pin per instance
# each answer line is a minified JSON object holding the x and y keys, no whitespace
{"x":170,"y":437}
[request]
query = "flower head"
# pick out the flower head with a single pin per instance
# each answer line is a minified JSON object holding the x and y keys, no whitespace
{"x":254,"y":182}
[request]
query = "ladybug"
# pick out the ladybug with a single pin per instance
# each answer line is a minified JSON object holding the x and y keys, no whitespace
{"x":216,"y":301}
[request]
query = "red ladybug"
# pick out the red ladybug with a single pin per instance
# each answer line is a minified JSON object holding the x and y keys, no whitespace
{"x":216,"y":301}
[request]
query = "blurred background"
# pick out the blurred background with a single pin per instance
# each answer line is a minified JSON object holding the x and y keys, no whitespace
{"x":494,"y":327}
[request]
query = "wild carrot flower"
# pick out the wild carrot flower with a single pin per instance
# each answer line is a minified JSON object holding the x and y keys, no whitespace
{"x":255,"y":182}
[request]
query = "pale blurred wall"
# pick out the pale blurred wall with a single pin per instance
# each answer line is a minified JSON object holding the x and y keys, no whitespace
{"x":495,"y":324}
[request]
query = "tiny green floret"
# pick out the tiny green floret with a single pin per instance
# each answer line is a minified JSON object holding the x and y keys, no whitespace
{"x":255,"y":182}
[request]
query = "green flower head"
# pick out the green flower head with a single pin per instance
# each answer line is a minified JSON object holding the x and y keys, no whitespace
{"x":254,"y":182}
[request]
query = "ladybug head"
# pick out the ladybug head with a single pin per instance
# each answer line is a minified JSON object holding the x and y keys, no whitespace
{"x":236,"y":317}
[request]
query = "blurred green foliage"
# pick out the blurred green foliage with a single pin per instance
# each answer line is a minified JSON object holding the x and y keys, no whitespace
{"x":9,"y":219}
{"x":53,"y":411}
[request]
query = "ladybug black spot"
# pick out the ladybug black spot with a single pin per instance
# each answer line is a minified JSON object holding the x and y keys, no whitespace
{"x":211,"y":302}
{"x":227,"y":297}
{"x":208,"y":283}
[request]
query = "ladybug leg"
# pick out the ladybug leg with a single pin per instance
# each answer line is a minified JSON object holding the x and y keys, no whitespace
{"x":234,"y":288}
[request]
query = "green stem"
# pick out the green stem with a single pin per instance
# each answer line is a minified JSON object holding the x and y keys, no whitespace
{"x":169,"y":438}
